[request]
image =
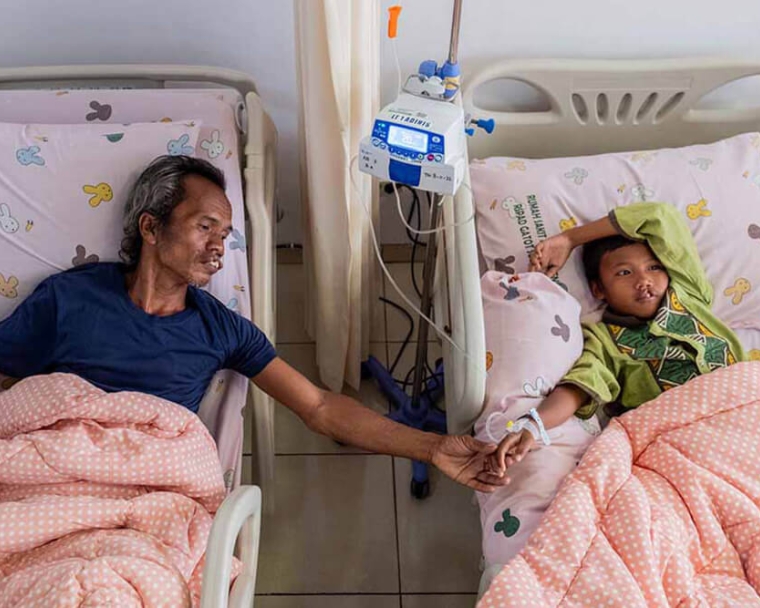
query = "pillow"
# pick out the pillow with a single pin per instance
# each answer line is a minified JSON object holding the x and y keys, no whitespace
{"x":533,"y":337}
{"x":717,"y":187}
{"x":62,"y":192}
{"x":750,"y":339}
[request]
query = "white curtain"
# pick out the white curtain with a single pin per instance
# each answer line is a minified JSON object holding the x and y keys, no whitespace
{"x":338,"y":73}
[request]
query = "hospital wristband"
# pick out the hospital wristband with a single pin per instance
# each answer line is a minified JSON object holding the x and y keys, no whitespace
{"x":522,"y":424}
{"x":535,"y":425}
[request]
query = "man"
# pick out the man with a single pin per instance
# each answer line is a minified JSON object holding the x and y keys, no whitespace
{"x":145,"y":325}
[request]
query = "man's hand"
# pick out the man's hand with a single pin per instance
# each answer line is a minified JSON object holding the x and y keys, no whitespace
{"x":512,"y":449}
{"x":550,"y":255}
{"x":468,"y":461}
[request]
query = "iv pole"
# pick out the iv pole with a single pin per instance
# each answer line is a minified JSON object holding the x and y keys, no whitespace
{"x":430,"y":253}
{"x":419,"y":411}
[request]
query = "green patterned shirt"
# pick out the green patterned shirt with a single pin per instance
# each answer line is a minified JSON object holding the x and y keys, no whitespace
{"x":631,"y":361}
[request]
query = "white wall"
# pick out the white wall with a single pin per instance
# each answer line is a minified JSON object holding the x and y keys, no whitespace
{"x":578,"y":28}
{"x":610,"y":29}
{"x":256,"y":36}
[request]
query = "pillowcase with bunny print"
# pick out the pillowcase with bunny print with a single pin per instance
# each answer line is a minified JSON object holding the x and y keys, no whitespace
{"x":62,"y":194}
{"x":716,"y":186}
{"x":533,"y":337}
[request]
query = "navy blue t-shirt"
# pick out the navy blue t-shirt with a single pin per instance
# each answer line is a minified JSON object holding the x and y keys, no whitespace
{"x":83,"y":321}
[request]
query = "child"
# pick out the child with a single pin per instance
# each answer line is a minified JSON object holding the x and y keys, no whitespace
{"x":657,"y":332}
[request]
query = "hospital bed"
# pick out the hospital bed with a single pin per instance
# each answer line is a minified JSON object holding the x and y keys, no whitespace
{"x":594,"y":107}
{"x":586,"y":107}
{"x":225,"y":102}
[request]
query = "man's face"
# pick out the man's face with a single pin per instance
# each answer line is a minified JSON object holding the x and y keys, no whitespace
{"x":191,"y":245}
{"x":632,"y":281}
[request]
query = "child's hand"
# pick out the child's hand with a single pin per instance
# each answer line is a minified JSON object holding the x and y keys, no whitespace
{"x":550,"y":255}
{"x":512,"y":449}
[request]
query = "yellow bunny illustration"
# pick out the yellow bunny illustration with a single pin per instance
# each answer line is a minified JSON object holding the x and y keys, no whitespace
{"x":567,"y":224}
{"x":643,"y":157}
{"x":738,"y":290}
{"x":8,"y":288}
{"x":101,"y":192}
{"x":697,"y":210}
{"x":516,"y":165}
{"x":754,"y":354}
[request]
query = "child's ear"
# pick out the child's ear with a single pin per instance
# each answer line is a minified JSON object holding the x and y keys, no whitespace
{"x":597,"y":291}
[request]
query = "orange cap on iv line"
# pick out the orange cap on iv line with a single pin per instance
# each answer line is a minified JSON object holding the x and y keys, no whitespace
{"x":393,"y":13}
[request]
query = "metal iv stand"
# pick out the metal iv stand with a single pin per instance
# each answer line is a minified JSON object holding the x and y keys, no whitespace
{"x":420,"y":412}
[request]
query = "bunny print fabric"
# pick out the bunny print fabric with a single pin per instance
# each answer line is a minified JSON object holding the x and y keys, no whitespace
{"x":715,"y":187}
{"x":73,"y":219}
{"x":526,"y":316}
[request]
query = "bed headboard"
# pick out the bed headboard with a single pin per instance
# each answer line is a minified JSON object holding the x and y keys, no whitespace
{"x":123,"y":76}
{"x":597,"y":106}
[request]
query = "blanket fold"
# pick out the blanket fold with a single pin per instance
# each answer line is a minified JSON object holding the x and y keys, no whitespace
{"x":663,"y":510}
{"x":106,"y":499}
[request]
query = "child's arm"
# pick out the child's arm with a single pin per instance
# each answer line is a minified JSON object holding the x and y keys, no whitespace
{"x":659,"y":224}
{"x":590,"y":383}
{"x":558,"y":407}
{"x":550,"y":255}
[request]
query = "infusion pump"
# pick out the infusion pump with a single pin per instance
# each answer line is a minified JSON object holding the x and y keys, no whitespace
{"x":419,"y":142}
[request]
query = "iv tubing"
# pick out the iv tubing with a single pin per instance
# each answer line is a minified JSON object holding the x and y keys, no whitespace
{"x":480,"y":366}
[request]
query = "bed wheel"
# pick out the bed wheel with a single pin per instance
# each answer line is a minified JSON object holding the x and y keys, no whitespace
{"x":420,"y":489}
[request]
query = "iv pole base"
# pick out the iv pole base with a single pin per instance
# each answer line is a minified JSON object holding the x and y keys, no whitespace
{"x":422,"y":416}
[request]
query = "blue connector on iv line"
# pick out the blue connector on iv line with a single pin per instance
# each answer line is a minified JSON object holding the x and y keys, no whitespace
{"x":487,"y":124}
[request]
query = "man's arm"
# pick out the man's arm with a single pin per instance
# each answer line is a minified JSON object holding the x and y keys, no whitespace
{"x":342,"y":418}
{"x":464,"y":459}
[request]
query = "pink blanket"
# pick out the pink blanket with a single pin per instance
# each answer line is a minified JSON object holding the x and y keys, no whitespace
{"x":105,"y":499}
{"x":664,"y":509}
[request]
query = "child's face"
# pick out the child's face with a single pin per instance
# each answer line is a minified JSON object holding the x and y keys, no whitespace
{"x":632,"y":281}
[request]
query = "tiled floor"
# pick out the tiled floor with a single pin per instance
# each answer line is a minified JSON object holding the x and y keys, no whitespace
{"x":346,"y":532}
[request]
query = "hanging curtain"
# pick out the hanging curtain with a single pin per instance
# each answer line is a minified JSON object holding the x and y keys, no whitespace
{"x":338,"y":75}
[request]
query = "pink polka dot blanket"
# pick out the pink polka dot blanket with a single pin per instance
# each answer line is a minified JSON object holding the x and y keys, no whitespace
{"x":106,"y":499}
{"x":663,"y":510}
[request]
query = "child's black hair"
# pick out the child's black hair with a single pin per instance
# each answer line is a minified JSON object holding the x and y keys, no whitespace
{"x":594,"y":251}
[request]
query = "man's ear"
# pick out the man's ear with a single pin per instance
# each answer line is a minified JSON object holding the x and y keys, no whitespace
{"x":148,"y":228}
{"x":597,"y":290}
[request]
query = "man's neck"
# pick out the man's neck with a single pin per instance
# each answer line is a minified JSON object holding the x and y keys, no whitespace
{"x":156,"y":291}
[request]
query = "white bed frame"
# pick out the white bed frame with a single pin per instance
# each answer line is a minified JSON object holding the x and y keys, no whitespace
{"x":594,"y":107}
{"x":239,"y":518}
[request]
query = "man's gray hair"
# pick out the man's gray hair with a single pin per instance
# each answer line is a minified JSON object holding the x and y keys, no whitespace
{"x":157,"y":191}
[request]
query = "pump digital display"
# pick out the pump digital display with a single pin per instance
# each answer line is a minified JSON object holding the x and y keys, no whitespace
{"x":407,"y":138}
